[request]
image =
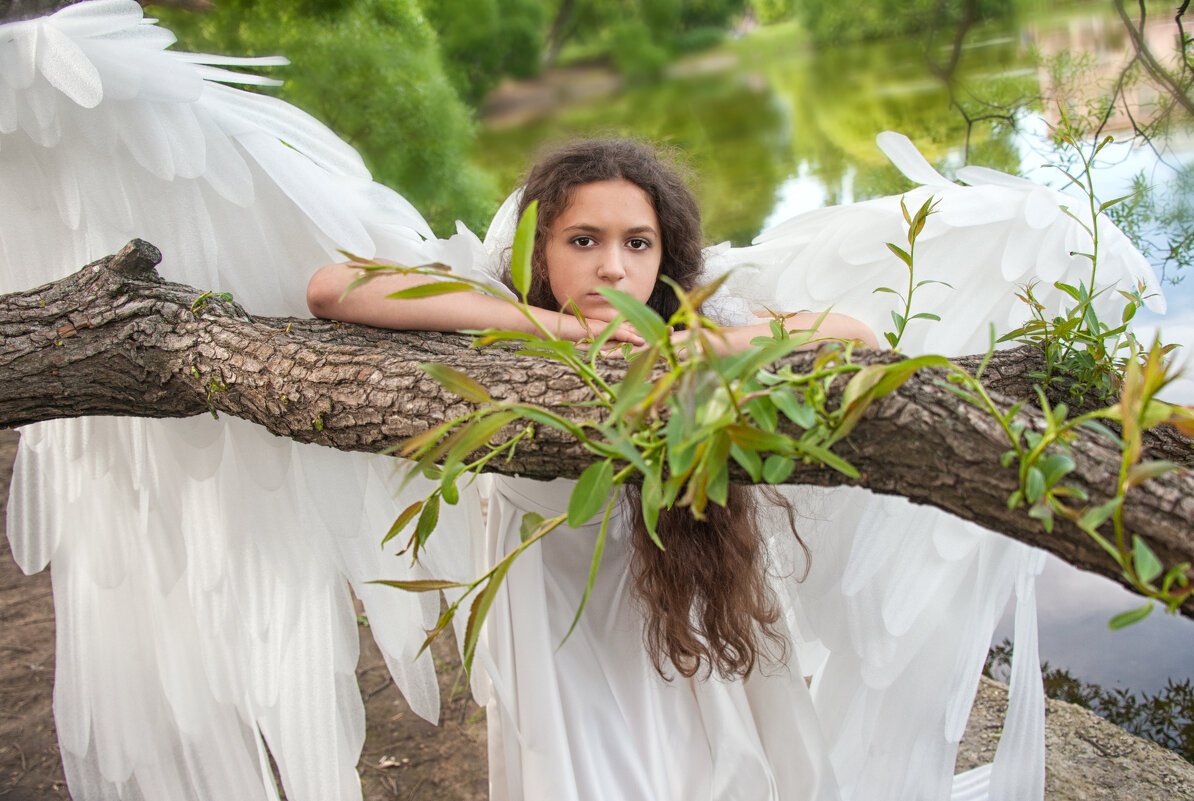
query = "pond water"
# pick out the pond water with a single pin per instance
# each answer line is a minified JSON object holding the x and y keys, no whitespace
{"x":772,"y":127}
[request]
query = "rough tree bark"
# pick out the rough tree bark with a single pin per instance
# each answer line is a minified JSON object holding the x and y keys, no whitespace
{"x":114,"y":338}
{"x":13,"y":10}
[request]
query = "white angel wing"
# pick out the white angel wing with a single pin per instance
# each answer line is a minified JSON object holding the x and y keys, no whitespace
{"x":899,"y":607}
{"x":984,"y":240}
{"x":204,"y":621}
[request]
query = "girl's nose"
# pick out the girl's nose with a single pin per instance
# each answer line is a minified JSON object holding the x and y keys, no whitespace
{"x":611,"y":267}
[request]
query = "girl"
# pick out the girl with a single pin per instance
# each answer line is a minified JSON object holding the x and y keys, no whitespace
{"x":713,"y":706}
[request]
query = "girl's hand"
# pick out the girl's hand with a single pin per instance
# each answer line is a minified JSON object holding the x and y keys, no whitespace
{"x":567,"y":326}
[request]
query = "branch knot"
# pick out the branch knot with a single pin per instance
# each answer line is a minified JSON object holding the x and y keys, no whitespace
{"x":136,"y":259}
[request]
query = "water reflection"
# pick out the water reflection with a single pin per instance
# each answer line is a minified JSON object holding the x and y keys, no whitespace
{"x":731,"y":127}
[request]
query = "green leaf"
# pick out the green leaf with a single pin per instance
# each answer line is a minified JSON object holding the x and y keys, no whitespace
{"x":1054,"y":466}
{"x":457,"y":382}
{"x":763,"y":411}
{"x":594,"y":565}
{"x":529,"y":525}
{"x":969,"y":397}
{"x":447,"y":484}
{"x":756,"y":440}
{"x":1060,"y":412}
{"x":430,"y":289}
{"x":427,"y":519}
{"x":599,"y":341}
{"x":897,"y":318}
{"x":478,"y":434}
{"x":488,"y":336}
{"x":1007,"y":458}
{"x":718,"y":482}
{"x":1044,"y":513}
{"x":590,"y":493}
{"x":403,"y":519}
{"x":1109,"y":203}
{"x":478,"y":611}
{"x":698,"y":295}
{"x":894,"y":375}
{"x":640,"y":315}
{"x":1124,"y":619}
{"x":887,"y":289}
{"x":421,"y":585}
{"x":750,"y":461}
{"x":793,"y":408}
{"x":862,"y":384}
{"x":420,"y":442}
{"x":1034,"y":484}
{"x":903,"y":255}
{"x":636,"y":384}
{"x":718,"y":487}
{"x":830,"y":459}
{"x":1069,"y":289}
{"x":777,"y":468}
{"x":925,"y":316}
{"x":652,"y":500}
{"x":1147,"y":565}
{"x":769,"y":351}
{"x":1139,"y":473}
{"x":362,"y":279}
{"x":1093,"y":518}
{"x":557,"y":349}
{"x":1071,"y":492}
{"x":544,"y":417}
{"x":524,"y":247}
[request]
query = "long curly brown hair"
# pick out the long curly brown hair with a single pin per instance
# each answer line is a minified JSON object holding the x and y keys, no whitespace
{"x":707,"y":602}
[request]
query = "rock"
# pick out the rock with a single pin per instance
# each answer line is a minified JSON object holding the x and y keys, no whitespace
{"x":1086,"y":758}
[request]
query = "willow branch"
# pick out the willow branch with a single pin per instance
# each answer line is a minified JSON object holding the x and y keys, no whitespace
{"x":114,"y":338}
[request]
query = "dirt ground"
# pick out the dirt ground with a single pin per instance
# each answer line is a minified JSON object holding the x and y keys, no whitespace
{"x":404,"y":759}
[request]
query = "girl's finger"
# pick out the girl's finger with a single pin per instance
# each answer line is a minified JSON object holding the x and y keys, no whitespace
{"x":627,"y":333}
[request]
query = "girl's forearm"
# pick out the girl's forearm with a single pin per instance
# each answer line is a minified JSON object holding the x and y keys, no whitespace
{"x":327,"y":298}
{"x":457,"y":311}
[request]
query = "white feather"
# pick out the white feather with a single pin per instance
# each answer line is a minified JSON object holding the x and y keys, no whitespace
{"x":199,"y":575}
{"x":905,"y":598}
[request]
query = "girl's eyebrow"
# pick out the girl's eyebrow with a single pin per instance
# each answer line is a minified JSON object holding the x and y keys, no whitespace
{"x":586,"y":228}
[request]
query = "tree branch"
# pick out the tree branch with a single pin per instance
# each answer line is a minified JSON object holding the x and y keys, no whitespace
{"x":114,"y":338}
{"x":14,"y":10}
{"x":1174,"y":90}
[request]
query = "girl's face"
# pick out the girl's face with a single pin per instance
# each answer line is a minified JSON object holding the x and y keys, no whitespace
{"x":607,"y":236}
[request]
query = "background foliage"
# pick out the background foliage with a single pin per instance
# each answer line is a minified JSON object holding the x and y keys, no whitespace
{"x":372,"y":71}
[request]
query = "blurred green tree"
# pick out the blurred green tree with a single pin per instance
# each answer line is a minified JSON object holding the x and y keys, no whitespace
{"x":771,"y":11}
{"x":483,"y":41}
{"x":372,"y":71}
{"x":639,"y":36}
{"x":835,"y":21}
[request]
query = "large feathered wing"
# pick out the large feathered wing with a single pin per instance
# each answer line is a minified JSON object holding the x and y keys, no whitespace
{"x":897,"y":613}
{"x":201,"y":567}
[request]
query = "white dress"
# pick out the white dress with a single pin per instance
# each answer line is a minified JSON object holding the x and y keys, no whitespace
{"x":201,"y":567}
{"x":591,"y":719}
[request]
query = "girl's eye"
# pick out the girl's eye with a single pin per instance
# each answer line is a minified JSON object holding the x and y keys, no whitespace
{"x":638,"y":244}
{"x":583,"y":241}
